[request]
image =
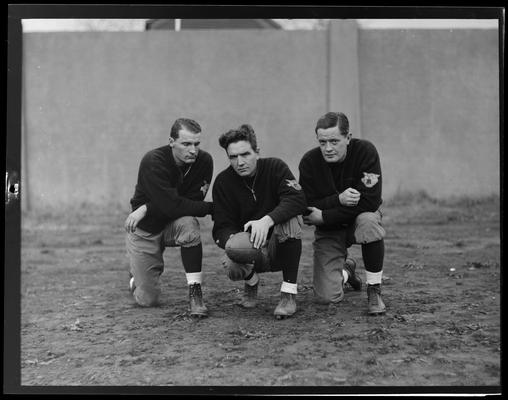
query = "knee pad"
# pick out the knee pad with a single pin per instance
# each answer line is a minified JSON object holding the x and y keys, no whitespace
{"x":368,"y":228}
{"x":188,"y":239}
{"x":146,"y":298}
{"x":188,"y":233}
{"x":328,"y":298}
{"x":291,"y":229}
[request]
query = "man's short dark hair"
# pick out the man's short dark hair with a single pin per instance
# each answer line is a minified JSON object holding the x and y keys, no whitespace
{"x":186,"y":123}
{"x":244,"y":132}
{"x":331,"y":119}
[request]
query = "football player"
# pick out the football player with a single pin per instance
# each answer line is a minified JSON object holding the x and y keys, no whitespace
{"x":259,"y":196}
{"x":342,"y":182}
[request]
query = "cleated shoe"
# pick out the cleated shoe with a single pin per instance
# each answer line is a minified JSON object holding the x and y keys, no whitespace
{"x":286,"y":306}
{"x":354,"y":280}
{"x":196,"y":305}
{"x":375,"y":302}
{"x":250,"y":296}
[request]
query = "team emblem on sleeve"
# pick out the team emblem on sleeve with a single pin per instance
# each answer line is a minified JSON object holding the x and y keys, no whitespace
{"x":204,"y":188}
{"x":369,"y":179}
{"x":294,"y":184}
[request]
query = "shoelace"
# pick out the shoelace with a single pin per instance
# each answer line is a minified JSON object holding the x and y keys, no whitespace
{"x":373,"y":298}
{"x":195,"y":291}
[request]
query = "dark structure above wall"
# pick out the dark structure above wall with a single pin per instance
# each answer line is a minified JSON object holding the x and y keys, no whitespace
{"x":152,"y":24}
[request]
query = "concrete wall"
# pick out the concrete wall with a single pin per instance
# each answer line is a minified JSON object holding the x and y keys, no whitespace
{"x":430,"y":103}
{"x":94,"y":103}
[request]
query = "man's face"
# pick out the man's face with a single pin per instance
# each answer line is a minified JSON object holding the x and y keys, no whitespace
{"x":243,"y":158}
{"x":186,"y":147}
{"x":332,"y":144}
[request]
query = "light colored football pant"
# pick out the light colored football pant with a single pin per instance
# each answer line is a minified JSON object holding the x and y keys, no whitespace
{"x":145,"y":251}
{"x":330,"y":250}
{"x":281,"y":232}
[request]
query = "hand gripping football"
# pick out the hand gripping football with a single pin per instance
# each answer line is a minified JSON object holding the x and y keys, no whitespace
{"x":239,"y":248}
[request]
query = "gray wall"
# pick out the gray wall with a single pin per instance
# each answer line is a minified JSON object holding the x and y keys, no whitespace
{"x":430,"y":102}
{"x":94,"y":103}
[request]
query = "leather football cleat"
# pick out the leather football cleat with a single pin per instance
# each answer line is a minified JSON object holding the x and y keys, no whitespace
{"x":250,"y":296}
{"x":286,"y":306}
{"x":196,"y":305}
{"x":353,"y":279}
{"x":375,"y":302}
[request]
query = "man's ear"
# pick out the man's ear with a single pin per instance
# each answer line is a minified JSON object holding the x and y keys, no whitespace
{"x":171,"y":141}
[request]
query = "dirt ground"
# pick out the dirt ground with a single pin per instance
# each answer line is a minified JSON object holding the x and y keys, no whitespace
{"x":80,"y":325}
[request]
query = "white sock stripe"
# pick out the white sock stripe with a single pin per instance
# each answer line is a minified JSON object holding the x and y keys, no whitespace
{"x":373,"y":278}
{"x":194,"y":277}
{"x":287,"y":287}
{"x":253,"y":280}
{"x":345,"y":275}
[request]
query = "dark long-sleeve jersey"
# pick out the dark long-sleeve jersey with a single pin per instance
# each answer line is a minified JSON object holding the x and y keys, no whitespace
{"x":275,"y":192}
{"x":360,"y":170}
{"x":169,"y":194}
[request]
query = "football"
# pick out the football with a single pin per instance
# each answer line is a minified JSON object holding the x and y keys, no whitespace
{"x":239,"y":248}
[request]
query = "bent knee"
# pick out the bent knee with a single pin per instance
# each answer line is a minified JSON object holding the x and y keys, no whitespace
{"x":291,"y":229}
{"x":188,"y":234}
{"x":146,"y":298}
{"x":328,"y":298}
{"x":188,"y":239}
{"x":236,"y":271}
{"x":368,"y":228}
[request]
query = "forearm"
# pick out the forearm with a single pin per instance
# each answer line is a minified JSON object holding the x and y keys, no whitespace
{"x":287,"y":210}
{"x":176,"y":206}
{"x":323,"y":203}
{"x":340,"y":214}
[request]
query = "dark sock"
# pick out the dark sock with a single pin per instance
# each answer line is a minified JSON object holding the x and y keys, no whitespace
{"x":192,"y":258}
{"x":288,"y":256}
{"x":373,"y":255}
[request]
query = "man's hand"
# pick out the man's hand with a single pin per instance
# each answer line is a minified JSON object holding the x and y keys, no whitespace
{"x":134,"y":217}
{"x":259,"y":230}
{"x":349,"y":197}
{"x":315,"y":217}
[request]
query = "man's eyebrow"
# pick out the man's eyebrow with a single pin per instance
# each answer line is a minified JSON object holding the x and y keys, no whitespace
{"x":240,"y":154}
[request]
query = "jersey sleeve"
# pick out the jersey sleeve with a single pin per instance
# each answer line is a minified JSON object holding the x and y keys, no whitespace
{"x":309,"y":183}
{"x":292,"y":199}
{"x":368,"y":181}
{"x":164,"y":196}
{"x":224,"y":216}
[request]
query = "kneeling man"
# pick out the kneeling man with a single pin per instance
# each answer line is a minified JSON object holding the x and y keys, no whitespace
{"x":169,"y":195}
{"x":342,"y":183}
{"x":259,"y":195}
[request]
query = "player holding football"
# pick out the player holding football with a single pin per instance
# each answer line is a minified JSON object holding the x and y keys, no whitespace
{"x":259,"y":195}
{"x":342,"y":182}
{"x":169,"y":195}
